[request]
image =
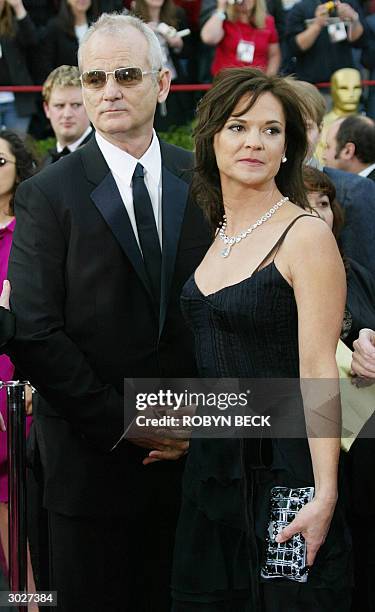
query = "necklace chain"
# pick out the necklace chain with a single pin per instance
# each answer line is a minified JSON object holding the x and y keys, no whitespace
{"x":230,"y":241}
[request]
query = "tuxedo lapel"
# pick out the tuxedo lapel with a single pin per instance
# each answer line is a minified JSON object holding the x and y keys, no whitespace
{"x":175,"y":195}
{"x":108,"y":201}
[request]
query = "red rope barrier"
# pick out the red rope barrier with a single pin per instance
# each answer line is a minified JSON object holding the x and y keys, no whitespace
{"x":185,"y":87}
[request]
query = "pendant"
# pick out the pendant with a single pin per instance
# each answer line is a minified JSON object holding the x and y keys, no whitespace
{"x":225,"y":252}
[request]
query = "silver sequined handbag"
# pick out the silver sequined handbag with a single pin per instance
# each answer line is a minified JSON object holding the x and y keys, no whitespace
{"x":286,"y":560}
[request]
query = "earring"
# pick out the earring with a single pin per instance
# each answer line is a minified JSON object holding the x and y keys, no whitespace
{"x":283,"y":159}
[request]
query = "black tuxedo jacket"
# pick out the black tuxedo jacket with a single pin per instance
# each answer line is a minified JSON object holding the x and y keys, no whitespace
{"x":7,"y":327}
{"x":52,"y":153}
{"x":85,"y":320}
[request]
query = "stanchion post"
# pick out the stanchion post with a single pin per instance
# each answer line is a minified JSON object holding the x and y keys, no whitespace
{"x":17,"y":487}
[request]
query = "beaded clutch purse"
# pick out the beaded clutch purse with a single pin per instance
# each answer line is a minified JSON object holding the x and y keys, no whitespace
{"x":286,"y":560}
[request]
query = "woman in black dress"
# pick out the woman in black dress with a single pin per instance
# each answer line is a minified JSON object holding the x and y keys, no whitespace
{"x":260,"y":305}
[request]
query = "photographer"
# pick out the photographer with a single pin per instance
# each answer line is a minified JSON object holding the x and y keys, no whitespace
{"x":245,"y":36}
{"x":321,"y":47}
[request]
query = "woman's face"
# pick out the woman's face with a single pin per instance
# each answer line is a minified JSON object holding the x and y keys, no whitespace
{"x":154,"y":4}
{"x":80,"y":6}
{"x":249,"y":147}
{"x":7,"y":169}
{"x":246,"y":6}
{"x":321,"y":205}
{"x":313,"y":135}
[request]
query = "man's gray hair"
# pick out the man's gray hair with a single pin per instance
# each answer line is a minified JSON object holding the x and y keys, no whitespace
{"x":116,"y":25}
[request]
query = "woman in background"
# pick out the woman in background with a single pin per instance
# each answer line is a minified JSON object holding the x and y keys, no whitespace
{"x":18,"y":37}
{"x":16,"y":165}
{"x":176,"y":51}
{"x":245,"y":36}
{"x":360,"y":307}
{"x":64,"y":33}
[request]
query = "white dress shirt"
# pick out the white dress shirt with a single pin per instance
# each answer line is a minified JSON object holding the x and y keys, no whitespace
{"x":366,"y":171}
{"x":74,"y":145}
{"x":122,"y":166}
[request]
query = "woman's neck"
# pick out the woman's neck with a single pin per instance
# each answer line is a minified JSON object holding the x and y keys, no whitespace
{"x":154,"y":14}
{"x":245,"y":206}
{"x":5,"y":213}
{"x":80,"y":18}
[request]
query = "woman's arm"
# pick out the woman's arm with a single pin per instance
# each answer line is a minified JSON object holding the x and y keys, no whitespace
{"x":274,"y":59}
{"x":213,"y":30}
{"x":319,"y":283}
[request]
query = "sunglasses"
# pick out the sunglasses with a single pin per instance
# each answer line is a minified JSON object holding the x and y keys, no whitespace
{"x":4,"y":160}
{"x":128,"y":77}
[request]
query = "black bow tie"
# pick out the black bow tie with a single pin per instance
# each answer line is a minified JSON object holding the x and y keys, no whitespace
{"x":56,"y":155}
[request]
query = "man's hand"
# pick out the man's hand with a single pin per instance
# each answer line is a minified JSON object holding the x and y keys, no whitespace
{"x":346,"y":12}
{"x":321,"y":15}
{"x":5,"y":295}
{"x":363,"y":361}
{"x":167,"y":449}
{"x":168,"y":442}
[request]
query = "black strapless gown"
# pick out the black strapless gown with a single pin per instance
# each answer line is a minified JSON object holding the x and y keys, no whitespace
{"x":248,"y":329}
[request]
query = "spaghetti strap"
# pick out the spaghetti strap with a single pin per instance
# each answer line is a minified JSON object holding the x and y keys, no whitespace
{"x":279,"y":242}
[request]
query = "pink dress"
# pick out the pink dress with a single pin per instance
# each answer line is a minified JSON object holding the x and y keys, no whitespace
{"x":6,"y":366}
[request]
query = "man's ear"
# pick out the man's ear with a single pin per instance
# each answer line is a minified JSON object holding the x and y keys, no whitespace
{"x":46,"y":109}
{"x":164,"y":83}
{"x":348,"y":151}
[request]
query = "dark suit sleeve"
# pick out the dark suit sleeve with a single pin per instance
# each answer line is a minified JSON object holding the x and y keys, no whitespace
{"x":7,"y":327}
{"x":42,"y":350}
{"x":295,"y":24}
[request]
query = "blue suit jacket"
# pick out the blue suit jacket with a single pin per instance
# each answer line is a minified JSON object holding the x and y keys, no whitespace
{"x":357,"y":196}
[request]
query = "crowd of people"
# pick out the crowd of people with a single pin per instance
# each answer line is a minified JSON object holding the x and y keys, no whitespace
{"x":131,"y":258}
{"x":304,"y":38}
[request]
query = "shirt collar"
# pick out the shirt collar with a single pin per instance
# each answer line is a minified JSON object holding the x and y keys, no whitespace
{"x":74,"y":145}
{"x":366,"y":171}
{"x":123,"y":164}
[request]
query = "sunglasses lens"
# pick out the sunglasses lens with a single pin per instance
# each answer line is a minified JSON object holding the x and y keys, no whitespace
{"x":128,"y":76}
{"x":94,"y":79}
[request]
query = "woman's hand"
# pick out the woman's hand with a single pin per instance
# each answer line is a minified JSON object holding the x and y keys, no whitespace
{"x":313,"y":522}
{"x":175,"y":42}
{"x":5,"y":295}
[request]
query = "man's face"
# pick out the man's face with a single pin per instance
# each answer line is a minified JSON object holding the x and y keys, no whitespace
{"x":67,"y":114}
{"x":120,"y":112}
{"x":330,"y":156}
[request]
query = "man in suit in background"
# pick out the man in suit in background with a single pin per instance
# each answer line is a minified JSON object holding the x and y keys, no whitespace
{"x":356,"y":195}
{"x":350,"y":146}
{"x":63,"y":106}
{"x":105,"y":240}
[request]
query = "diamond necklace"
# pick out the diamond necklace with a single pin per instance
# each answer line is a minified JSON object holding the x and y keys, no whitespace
{"x":229,"y":241}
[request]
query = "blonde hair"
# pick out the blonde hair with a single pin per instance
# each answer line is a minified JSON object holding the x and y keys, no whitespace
{"x":63,"y":76}
{"x":312,"y":102}
{"x":257,"y":16}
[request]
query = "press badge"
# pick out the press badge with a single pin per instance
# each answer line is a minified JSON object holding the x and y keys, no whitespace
{"x":245,"y":51}
{"x":337,"y":32}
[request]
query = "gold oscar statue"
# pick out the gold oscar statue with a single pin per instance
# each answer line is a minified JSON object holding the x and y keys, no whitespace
{"x":346,"y":92}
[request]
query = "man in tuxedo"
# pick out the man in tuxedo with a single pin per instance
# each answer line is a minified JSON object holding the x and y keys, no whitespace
{"x":105,"y":240}
{"x":63,"y":106}
{"x":350,"y":146}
